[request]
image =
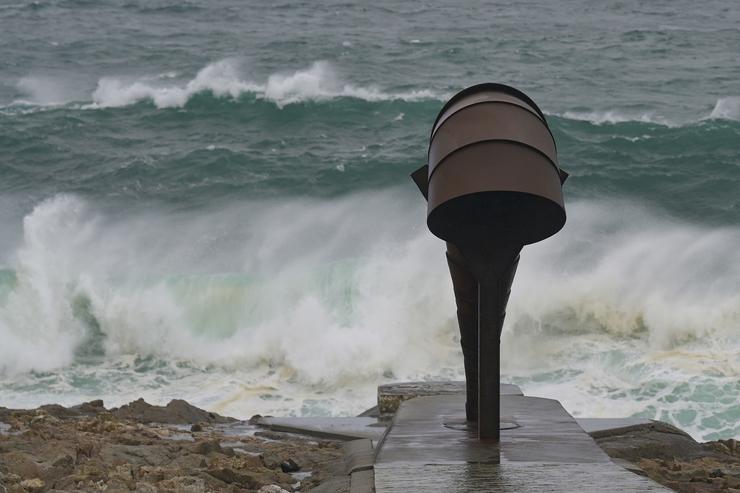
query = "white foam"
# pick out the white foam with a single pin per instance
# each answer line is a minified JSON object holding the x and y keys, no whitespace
{"x":304,"y":296}
{"x":38,"y":327}
{"x":318,"y":82}
{"x":220,"y":78}
{"x":727,"y":108}
{"x":44,"y":91}
{"x":617,"y":116}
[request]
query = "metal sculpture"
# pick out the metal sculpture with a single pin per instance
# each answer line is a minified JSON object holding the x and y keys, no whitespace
{"x":492,"y":184}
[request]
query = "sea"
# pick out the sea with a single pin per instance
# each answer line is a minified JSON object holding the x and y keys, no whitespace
{"x":211,"y":201}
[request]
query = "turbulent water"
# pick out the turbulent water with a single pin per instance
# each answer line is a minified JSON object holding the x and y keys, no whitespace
{"x":210,"y":200}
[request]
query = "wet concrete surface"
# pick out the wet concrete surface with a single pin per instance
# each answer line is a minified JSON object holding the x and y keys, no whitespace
{"x":333,"y":428}
{"x":390,"y":396}
{"x":546,"y":451}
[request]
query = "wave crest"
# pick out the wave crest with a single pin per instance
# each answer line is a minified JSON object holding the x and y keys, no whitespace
{"x":627,"y":276}
{"x":302,"y":293}
{"x":616,"y":116}
{"x":318,"y":82}
{"x":727,"y":109}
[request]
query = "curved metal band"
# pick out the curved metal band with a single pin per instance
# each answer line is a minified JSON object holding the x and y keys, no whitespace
{"x":489,"y":87}
{"x":491,"y":121}
{"x":482,"y":97}
{"x":494,"y":166}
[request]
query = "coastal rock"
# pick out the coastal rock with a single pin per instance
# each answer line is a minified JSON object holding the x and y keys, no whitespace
{"x":290,"y":466}
{"x":671,"y":457}
{"x":19,"y":463}
{"x":182,"y":484}
{"x":34,"y":485}
{"x":272,"y":488}
{"x":230,"y":476}
{"x":208,"y":447}
{"x":88,"y":448}
{"x":175,"y":412}
{"x":655,"y":440}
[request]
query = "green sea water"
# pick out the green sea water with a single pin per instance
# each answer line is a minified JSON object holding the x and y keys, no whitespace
{"x":210,"y":201}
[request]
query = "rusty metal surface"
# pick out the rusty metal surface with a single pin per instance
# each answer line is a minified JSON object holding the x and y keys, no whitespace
{"x":489,"y":139}
{"x":493,"y":185}
{"x":490,"y":121}
{"x":496,"y":188}
{"x":487,"y":90}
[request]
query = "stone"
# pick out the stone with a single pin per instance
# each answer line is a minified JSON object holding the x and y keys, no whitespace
{"x":272,"y":488}
{"x":228,"y":475}
{"x":20,"y":463}
{"x":208,"y":447}
{"x":196,"y":428}
{"x":89,"y":449}
{"x":176,"y":411}
{"x":142,"y":487}
{"x":182,"y":484}
{"x":289,"y":466}
{"x":655,"y":440}
{"x":34,"y":485}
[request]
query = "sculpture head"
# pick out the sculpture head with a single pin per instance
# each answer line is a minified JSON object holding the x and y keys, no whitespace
{"x":492,"y":170}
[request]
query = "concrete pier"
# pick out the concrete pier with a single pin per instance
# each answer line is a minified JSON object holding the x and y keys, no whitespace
{"x":430,"y":448}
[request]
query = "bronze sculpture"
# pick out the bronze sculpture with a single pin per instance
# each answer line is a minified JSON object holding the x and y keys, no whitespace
{"x":493,"y":184}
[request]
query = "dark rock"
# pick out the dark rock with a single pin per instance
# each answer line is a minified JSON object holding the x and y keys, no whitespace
{"x":58,"y":411}
{"x":146,"y":455}
{"x":289,"y":466}
{"x":208,"y":447}
{"x":90,"y":408}
{"x":655,"y":440}
{"x":176,"y":411}
{"x":672,"y":458}
{"x":196,"y":427}
{"x":228,"y":475}
{"x":19,"y":463}
{"x":270,"y":460}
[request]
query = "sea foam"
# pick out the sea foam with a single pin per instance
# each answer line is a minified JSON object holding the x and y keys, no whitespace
{"x":727,"y":108}
{"x":273,"y":282}
{"x":318,"y":82}
{"x":301,"y":294}
{"x":617,"y":116}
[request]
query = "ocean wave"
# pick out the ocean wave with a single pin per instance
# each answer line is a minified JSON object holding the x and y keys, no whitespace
{"x":294,"y":283}
{"x":45,"y":91}
{"x":318,"y":82}
{"x":620,"y":303}
{"x":727,"y":109}
{"x":617,"y":116}
{"x":724,"y":109}
{"x":620,"y":270}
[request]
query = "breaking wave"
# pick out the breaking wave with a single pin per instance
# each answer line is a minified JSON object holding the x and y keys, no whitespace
{"x":724,"y":109}
{"x":727,"y":109}
{"x":616,"y":116}
{"x":318,"y":82}
{"x":623,"y":313}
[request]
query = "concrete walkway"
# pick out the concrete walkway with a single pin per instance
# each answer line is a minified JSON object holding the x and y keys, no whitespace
{"x":430,"y":448}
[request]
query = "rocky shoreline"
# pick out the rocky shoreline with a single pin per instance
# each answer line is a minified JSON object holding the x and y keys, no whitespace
{"x":180,"y":448}
{"x":148,"y":449}
{"x":671,"y":457}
